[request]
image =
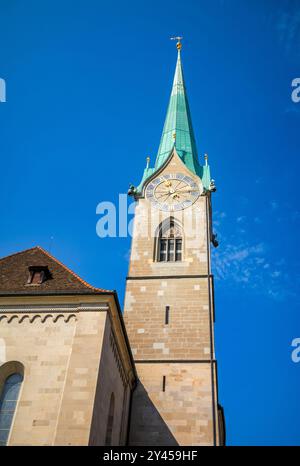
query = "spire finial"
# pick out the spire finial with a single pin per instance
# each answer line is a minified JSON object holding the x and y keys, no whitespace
{"x":179,"y":44}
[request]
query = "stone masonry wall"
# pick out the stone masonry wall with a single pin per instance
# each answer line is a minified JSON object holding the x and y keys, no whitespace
{"x":180,"y":415}
{"x":111,"y":380}
{"x":183,"y":413}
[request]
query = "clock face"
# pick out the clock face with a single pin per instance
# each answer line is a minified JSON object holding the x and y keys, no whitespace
{"x":172,"y":192}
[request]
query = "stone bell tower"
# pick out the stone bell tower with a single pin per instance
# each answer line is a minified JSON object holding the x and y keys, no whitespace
{"x":169,"y":301}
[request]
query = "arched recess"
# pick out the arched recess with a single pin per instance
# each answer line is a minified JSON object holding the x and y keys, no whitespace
{"x":11,"y":378}
{"x":110,"y":421}
{"x":168,"y":245}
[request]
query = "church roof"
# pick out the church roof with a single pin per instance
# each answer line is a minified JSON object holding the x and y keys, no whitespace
{"x":36,"y":271}
{"x":178,"y":133}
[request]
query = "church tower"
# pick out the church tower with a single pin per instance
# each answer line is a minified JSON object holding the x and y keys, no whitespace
{"x":169,"y":301}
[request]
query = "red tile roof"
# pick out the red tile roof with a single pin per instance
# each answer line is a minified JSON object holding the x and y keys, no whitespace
{"x":14,"y":270}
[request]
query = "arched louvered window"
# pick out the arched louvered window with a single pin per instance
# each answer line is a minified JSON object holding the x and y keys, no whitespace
{"x":110,"y":421}
{"x":169,"y":242}
{"x":8,"y":402}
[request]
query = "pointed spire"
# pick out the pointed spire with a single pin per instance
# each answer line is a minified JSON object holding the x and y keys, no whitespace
{"x":178,"y":131}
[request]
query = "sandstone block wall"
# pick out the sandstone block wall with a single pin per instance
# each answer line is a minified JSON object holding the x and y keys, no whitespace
{"x":181,"y":414}
{"x":180,"y":353}
{"x":112,"y":379}
{"x":73,"y":360}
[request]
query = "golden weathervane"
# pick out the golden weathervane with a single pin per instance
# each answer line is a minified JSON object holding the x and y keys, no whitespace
{"x":179,"y":44}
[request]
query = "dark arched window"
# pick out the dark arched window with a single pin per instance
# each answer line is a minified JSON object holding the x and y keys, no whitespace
{"x":169,"y":242}
{"x":8,"y":401}
{"x":110,"y":421}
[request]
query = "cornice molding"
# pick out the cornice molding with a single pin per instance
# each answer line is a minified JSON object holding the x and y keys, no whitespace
{"x":65,"y":308}
{"x":42,"y":313}
{"x":37,"y":317}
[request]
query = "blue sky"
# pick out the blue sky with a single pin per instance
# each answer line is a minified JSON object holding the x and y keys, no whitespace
{"x":88,"y":84}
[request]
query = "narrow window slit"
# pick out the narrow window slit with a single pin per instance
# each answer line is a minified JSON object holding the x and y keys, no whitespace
{"x":164,"y":383}
{"x":167,"y":315}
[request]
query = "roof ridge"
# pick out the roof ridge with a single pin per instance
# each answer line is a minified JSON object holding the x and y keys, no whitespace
{"x":70,"y":271}
{"x":83,"y":282}
{"x":19,"y":252}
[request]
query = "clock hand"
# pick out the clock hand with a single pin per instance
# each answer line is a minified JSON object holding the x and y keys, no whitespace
{"x":167,"y":197}
{"x":186,"y":190}
{"x":178,"y":184}
{"x":162,"y":195}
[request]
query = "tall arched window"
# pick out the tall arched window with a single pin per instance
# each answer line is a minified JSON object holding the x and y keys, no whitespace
{"x":169,"y":244}
{"x":8,"y":401}
{"x":110,"y":421}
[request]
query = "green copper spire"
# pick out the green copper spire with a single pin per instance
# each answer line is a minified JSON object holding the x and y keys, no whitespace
{"x":177,"y":133}
{"x":178,"y":129}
